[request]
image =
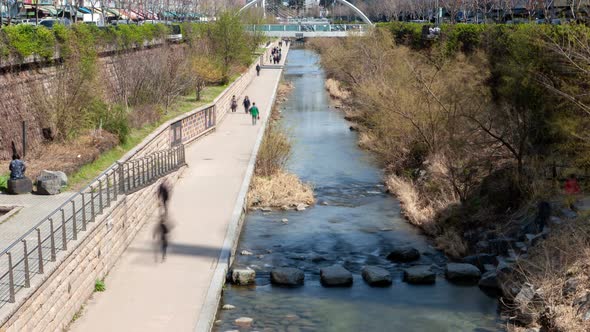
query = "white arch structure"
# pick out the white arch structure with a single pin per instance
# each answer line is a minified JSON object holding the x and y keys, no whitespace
{"x":344,"y":2}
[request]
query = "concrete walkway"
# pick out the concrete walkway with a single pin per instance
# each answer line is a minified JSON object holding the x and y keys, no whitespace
{"x":142,"y":295}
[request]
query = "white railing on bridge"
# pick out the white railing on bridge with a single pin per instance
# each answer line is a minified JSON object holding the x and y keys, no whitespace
{"x":309,"y":29}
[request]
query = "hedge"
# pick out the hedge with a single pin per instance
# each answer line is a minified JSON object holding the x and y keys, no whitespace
{"x":21,"y":41}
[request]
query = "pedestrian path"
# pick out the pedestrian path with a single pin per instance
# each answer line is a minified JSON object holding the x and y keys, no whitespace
{"x":31,"y":209}
{"x":142,"y":295}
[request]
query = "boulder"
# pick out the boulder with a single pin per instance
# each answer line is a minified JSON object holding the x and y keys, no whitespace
{"x":462,"y":272}
{"x":301,"y":207}
{"x":376,"y":276}
{"x":489,"y":280}
{"x":228,"y":307}
{"x":525,"y":295}
{"x":19,"y":186}
{"x":404,"y":254}
{"x":245,"y":276}
{"x":63,"y":178}
{"x":420,"y":275}
{"x":480,"y":260}
{"x":335,"y":276}
{"x":48,"y":186}
{"x":500,"y":246}
{"x":287,"y":276}
{"x":244,"y":322}
{"x":569,"y":214}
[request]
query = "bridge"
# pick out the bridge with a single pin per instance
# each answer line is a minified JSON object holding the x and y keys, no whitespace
{"x":307,"y":30}
{"x":304,"y":28}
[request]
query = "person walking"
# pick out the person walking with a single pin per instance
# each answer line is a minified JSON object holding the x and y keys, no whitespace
{"x":161,"y":234}
{"x":257,"y":69}
{"x":234,"y":104}
{"x":254,"y":113}
{"x":246,"y":104}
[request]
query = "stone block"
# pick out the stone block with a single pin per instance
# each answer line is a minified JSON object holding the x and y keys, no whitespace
{"x":20,"y":186}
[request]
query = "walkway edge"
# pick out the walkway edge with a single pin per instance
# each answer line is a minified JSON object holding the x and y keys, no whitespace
{"x":209,"y":308}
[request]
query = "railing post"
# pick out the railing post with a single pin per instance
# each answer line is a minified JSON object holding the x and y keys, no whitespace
{"x":134,"y":174}
{"x":64,"y":240}
{"x":10,"y":278}
{"x":108,"y":191}
{"x":121,"y":178}
{"x":143,"y":171}
{"x":115,"y":186}
{"x":100,"y":196}
{"x":26,"y":260}
{"x":74,"y":226}
{"x":92,"y":203}
{"x":83,"y":212}
{"x":39,"y":251}
{"x":128,"y":178}
{"x":52,"y":238}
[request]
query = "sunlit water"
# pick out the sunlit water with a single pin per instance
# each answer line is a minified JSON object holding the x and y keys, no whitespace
{"x":357,"y":227}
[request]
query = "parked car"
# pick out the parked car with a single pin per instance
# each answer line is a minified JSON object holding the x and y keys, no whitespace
{"x":50,"y":22}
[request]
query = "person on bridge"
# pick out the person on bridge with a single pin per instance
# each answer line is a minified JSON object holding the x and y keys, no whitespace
{"x":257,"y":69}
{"x":234,"y":104}
{"x":255,"y":113}
{"x":246,"y":104}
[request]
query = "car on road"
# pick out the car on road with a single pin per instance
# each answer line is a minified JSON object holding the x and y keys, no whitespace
{"x":50,"y":22}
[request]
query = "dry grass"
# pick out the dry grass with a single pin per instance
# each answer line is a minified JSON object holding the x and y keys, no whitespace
{"x":336,"y":91}
{"x":71,"y":155}
{"x":274,"y":151}
{"x":563,"y":257}
{"x":279,"y":190}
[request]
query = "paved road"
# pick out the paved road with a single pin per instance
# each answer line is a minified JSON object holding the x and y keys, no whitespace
{"x":143,"y":295}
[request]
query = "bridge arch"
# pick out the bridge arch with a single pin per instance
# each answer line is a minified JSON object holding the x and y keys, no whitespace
{"x":344,"y":2}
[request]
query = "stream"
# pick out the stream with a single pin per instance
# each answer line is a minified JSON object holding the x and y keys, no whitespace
{"x":354,"y":223}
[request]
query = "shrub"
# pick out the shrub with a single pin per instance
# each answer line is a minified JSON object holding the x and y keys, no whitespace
{"x":110,"y":118}
{"x":99,"y":286}
{"x":274,"y":152}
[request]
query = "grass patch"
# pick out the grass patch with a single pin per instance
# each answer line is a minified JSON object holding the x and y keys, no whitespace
{"x":185,"y":104}
{"x":4,"y":182}
{"x":99,"y":286}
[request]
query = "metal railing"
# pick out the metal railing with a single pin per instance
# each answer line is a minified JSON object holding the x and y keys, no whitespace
{"x":39,"y":246}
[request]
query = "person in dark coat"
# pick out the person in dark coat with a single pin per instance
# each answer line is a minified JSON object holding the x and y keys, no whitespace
{"x":257,"y":69}
{"x":246,"y":104}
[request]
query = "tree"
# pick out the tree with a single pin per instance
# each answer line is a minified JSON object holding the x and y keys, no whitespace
{"x":204,"y":71}
{"x":230,"y":42}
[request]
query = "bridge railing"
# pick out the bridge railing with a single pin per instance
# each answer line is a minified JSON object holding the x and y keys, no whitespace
{"x":39,"y":246}
{"x":307,"y":27}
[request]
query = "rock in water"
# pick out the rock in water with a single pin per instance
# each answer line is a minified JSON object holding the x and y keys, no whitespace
{"x":335,"y":276}
{"x":420,"y":275}
{"x":287,"y":276}
{"x":245,"y":276}
{"x":489,"y":280}
{"x":244,"y":322}
{"x":376,"y":276}
{"x":404,"y":254}
{"x":461,"y":272}
{"x":301,"y":207}
{"x":246,"y":253}
{"x":228,"y":307}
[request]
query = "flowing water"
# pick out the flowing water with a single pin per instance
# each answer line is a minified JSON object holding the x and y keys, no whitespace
{"x":355,"y":223}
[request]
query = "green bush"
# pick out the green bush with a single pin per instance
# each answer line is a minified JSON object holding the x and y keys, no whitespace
{"x":25,"y":40}
{"x":99,"y":286}
{"x":113,"y":119}
{"x":4,"y":182}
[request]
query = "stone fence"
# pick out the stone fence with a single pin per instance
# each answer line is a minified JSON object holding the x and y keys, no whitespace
{"x":54,"y":296}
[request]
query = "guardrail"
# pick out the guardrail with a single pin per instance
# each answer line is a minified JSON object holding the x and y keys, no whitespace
{"x":27,"y":256}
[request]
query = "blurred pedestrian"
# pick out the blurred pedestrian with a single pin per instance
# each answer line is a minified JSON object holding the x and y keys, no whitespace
{"x":257,"y":69}
{"x":234,"y":104}
{"x":161,"y":234}
{"x":164,"y":195}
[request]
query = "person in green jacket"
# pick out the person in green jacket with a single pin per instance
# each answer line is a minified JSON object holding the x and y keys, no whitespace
{"x":255,"y":113}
